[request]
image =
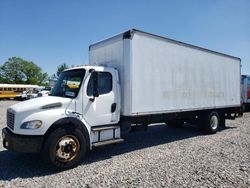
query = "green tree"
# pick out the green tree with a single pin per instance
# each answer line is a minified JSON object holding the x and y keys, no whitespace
{"x":11,"y":71}
{"x":19,"y":71}
{"x":1,"y":76}
{"x":61,"y":68}
{"x":53,"y":76}
{"x":33,"y":73}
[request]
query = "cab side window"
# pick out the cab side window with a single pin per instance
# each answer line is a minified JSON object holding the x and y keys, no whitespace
{"x":104,"y":83}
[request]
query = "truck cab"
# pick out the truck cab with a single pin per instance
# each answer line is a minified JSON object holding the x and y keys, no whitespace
{"x":82,"y":111}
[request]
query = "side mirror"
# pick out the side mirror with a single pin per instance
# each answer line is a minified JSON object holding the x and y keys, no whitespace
{"x":95,"y":84}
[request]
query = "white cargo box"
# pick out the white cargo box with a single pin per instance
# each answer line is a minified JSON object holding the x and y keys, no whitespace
{"x":160,"y":75}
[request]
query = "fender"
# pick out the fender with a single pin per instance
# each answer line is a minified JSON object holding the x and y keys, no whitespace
{"x":67,"y":122}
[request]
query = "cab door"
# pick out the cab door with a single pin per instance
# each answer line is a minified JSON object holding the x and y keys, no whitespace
{"x":104,"y":109}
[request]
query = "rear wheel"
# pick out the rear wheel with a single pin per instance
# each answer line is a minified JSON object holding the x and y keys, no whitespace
{"x":211,"y":122}
{"x":64,"y":148}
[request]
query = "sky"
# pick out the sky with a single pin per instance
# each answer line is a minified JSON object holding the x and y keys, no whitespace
{"x":50,"y":33}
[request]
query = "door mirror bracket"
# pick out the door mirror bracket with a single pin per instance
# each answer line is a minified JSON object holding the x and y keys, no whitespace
{"x":95,"y":86}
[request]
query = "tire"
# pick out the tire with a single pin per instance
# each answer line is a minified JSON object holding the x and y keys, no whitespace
{"x":212,"y":122}
{"x":64,"y":148}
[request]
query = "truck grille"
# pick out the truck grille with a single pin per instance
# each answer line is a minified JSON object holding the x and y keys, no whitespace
{"x":10,"y":120}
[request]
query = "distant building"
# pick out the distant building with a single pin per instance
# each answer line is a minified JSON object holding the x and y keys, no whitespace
{"x":52,"y":82}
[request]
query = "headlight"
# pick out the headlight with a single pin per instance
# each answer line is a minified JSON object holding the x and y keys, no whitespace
{"x":31,"y":124}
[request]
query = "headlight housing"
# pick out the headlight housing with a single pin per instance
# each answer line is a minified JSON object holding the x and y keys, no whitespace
{"x":31,"y":124}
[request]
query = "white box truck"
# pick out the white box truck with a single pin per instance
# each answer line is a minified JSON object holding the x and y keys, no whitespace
{"x":133,"y":79}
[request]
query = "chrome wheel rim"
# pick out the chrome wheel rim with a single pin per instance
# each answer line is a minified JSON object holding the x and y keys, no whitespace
{"x":214,"y":122}
{"x":67,"y":148}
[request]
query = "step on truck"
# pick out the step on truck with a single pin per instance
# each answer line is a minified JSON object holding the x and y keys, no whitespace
{"x":133,"y":79}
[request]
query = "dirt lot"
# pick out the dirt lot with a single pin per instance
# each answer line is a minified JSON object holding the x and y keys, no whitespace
{"x":160,"y":157}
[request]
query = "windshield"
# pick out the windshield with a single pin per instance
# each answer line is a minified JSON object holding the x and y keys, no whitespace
{"x":68,"y":83}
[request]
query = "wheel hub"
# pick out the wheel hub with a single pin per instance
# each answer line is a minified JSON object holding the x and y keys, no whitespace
{"x":214,"y":122}
{"x":67,"y":148}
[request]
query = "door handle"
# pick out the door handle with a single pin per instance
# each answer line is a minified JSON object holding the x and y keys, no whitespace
{"x":113,"y":107}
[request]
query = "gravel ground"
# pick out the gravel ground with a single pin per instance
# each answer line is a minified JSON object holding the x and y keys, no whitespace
{"x":160,"y":157}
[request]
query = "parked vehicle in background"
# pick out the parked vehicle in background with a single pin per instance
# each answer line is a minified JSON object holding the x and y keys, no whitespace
{"x":23,"y":96}
{"x":134,"y":79}
{"x":31,"y":94}
{"x":44,"y":92}
{"x":245,"y":91}
{"x":8,"y":91}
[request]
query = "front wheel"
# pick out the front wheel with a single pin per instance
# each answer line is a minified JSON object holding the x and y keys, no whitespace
{"x":64,"y":148}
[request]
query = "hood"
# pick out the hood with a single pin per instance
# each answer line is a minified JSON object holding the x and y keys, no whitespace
{"x":40,"y":103}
